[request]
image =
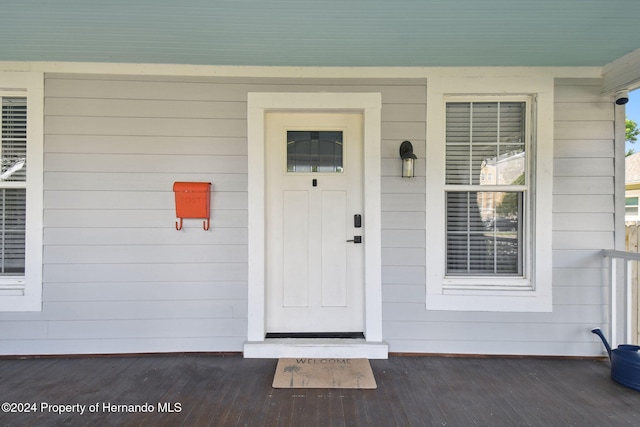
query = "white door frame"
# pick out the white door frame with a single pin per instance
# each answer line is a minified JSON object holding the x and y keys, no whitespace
{"x":370,"y":105}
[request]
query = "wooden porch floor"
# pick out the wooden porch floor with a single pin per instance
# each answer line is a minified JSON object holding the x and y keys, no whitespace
{"x":214,"y":390}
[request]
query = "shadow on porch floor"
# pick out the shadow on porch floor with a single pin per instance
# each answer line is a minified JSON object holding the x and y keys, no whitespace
{"x":215,"y":390}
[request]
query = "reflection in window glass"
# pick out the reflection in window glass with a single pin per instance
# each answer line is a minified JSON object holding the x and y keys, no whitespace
{"x":484,"y":233}
{"x":485,"y":143}
{"x":314,"y":151}
{"x":13,"y":192}
{"x":485,"y":148}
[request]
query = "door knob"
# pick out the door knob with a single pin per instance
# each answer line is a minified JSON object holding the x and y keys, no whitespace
{"x":356,"y":239}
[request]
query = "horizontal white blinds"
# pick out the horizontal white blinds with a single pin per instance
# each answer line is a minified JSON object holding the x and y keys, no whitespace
{"x":485,"y":150}
{"x":483,"y":137}
{"x":13,"y":186}
{"x":482,"y":240}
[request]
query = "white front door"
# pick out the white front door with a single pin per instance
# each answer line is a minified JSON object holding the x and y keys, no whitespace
{"x":314,"y":275}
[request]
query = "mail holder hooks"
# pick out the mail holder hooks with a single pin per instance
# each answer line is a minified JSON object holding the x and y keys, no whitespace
{"x":192,"y":201}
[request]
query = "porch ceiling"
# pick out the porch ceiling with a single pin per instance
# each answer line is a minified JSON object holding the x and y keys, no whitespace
{"x":321,"y":33}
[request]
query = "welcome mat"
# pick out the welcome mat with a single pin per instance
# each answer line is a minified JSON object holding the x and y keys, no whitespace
{"x":324,"y":373}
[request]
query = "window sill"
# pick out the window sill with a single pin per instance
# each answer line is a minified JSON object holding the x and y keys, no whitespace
{"x":485,"y":284}
{"x":11,"y":283}
{"x":500,"y":300}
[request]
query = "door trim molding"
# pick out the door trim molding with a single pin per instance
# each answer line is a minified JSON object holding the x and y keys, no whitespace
{"x":370,"y":105}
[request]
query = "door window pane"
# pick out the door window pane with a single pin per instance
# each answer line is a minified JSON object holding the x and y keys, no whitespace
{"x":315,"y":151}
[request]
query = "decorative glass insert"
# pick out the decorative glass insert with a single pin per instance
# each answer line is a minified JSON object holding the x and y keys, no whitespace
{"x":315,"y":151}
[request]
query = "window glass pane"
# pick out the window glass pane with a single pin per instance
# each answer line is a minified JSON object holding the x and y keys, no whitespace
{"x":485,"y":143}
{"x":631,"y":201}
{"x":484,"y":233}
{"x":484,"y":122}
{"x":512,"y":129}
{"x":13,"y":150}
{"x":458,"y":128}
{"x":14,"y":139}
{"x":510,"y":165}
{"x":458,"y":138}
{"x":12,"y":232}
{"x":483,"y":159}
{"x":314,"y":151}
{"x":458,"y":164}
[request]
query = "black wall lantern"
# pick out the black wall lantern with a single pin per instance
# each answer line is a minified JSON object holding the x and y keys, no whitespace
{"x":408,"y":159}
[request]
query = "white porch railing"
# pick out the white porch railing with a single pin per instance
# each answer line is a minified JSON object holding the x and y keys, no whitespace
{"x":616,"y":259}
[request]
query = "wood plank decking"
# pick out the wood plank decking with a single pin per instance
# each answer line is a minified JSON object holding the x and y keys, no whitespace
{"x":215,"y":390}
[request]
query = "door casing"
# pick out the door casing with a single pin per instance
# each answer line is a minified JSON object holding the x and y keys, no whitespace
{"x":369,"y":105}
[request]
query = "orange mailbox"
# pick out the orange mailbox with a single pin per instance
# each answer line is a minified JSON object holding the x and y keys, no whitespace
{"x":192,"y":201}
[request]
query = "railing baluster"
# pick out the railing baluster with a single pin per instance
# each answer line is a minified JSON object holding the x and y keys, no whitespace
{"x":628,"y":258}
{"x":614,"y":301}
{"x":629,"y":297}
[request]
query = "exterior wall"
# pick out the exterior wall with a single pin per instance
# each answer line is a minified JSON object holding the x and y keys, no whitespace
{"x":583,"y":224}
{"x":118,"y":277}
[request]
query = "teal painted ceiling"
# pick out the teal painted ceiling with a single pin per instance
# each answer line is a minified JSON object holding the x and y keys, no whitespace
{"x":321,"y":32}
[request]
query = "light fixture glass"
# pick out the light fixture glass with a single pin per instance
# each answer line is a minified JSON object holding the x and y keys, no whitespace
{"x":408,"y":159}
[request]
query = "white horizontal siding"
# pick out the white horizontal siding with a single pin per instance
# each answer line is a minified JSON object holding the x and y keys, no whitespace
{"x":583,"y":225}
{"x":144,"y":144}
{"x":143,"y":163}
{"x":145,"y":254}
{"x":583,"y":221}
{"x":191,"y":235}
{"x":403,"y":237}
{"x":583,"y":148}
{"x":135,"y":126}
{"x":150,"y":272}
{"x":566,"y":185}
{"x":403,"y":204}
{"x":583,"y":216}
{"x":147,"y":291}
{"x":133,"y":181}
{"x":120,"y":278}
{"x":191,"y":109}
{"x":137,"y":219}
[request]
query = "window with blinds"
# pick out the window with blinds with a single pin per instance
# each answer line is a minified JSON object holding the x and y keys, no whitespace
{"x":13,"y":186}
{"x":486,"y":188}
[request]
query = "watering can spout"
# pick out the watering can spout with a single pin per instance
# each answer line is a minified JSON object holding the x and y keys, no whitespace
{"x":599,"y":333}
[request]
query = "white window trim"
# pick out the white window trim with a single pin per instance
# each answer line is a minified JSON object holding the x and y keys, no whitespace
{"x":533,"y":293}
{"x":24,"y":293}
